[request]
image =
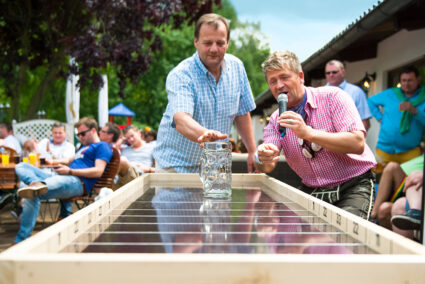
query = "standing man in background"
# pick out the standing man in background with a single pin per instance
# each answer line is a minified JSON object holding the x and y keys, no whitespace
{"x":206,"y":93}
{"x":335,"y":76}
{"x":401,"y":112}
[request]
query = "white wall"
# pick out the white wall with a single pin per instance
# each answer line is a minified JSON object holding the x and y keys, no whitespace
{"x":396,"y":51}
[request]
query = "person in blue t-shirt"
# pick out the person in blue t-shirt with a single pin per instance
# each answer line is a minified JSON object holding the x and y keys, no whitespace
{"x":73,"y":177}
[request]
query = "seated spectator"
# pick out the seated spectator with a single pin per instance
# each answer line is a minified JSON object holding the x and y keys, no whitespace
{"x":150,"y":135}
{"x":111,"y":134}
{"x":139,"y":153}
{"x":391,"y":187}
{"x":241,"y":146}
{"x":406,"y":211}
{"x":7,"y":138}
{"x":67,"y":181}
{"x":56,"y":147}
{"x":234,"y":149}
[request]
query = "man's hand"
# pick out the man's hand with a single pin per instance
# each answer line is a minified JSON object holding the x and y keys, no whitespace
{"x":268,"y":153}
{"x":407,"y":106}
{"x":414,"y":179}
{"x":296,"y":123}
{"x":211,"y":136}
{"x":62,"y":170}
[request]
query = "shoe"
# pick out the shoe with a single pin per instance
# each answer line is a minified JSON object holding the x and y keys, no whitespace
{"x":35,"y":189}
{"x":5,"y":198}
{"x":17,"y":213}
{"x":411,"y":220}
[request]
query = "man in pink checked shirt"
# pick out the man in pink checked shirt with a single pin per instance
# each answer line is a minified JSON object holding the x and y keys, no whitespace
{"x":325,"y":138}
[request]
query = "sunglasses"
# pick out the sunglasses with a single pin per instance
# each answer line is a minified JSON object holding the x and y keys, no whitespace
{"x":331,"y":72}
{"x":83,"y":133}
{"x":307,"y":150}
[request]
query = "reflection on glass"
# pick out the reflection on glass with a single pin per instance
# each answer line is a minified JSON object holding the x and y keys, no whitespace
{"x":182,"y":220}
{"x":216,"y":227}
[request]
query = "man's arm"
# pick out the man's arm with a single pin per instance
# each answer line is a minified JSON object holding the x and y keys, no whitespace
{"x":341,"y":142}
{"x":374,"y":103}
{"x":244,"y":126}
{"x":268,"y":154}
{"x":93,"y":172}
{"x":193,"y":131}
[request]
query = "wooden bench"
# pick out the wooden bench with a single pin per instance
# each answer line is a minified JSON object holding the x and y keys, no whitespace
{"x":106,"y":180}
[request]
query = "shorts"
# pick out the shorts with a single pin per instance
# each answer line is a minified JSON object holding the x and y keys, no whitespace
{"x":355,"y":195}
{"x":127,"y":177}
{"x":398,"y":157}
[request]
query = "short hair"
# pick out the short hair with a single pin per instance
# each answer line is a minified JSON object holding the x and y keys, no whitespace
{"x":87,"y":121}
{"x":132,"y":127}
{"x":58,"y":124}
{"x":113,"y":129}
{"x":410,"y":69}
{"x":6,"y":125}
{"x":151,"y":133}
{"x":337,"y":63}
{"x":279,"y":59}
{"x":211,"y":20}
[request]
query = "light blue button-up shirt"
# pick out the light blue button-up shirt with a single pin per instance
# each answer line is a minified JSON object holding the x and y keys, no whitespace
{"x":384,"y":107}
{"x":359,"y":98}
{"x":192,"y":89}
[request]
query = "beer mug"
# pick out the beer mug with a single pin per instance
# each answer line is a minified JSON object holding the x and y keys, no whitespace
{"x":32,"y":158}
{"x":5,"y":157}
{"x":216,"y":169}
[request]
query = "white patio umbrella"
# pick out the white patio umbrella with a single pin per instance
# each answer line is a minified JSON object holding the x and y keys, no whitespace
{"x":103,"y":103}
{"x":72,"y":101}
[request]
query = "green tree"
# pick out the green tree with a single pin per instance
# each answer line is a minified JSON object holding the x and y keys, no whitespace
{"x":148,"y":97}
{"x":42,"y":34}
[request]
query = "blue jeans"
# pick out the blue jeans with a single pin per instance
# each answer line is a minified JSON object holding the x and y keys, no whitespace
{"x":59,"y":186}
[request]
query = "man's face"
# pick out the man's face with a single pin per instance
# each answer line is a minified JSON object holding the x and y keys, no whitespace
{"x":58,"y":135}
{"x":334,"y":75}
{"x":133,"y":137}
{"x":409,"y":83}
{"x":212,"y":45}
{"x":104,"y":135}
{"x":85,"y":135}
{"x":3,"y":132}
{"x":286,"y":81}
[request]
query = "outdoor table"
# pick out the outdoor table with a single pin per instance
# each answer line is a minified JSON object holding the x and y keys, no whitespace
{"x":159,"y":228}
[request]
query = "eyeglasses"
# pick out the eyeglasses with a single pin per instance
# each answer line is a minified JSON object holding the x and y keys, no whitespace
{"x":83,"y":133}
{"x":331,"y":72}
{"x":104,"y":131}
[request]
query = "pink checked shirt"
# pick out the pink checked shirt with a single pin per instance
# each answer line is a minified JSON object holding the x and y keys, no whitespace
{"x":333,"y":110}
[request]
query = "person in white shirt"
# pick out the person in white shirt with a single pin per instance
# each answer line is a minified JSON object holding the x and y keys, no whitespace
{"x":140,"y":152}
{"x":7,"y":139}
{"x":56,"y":147}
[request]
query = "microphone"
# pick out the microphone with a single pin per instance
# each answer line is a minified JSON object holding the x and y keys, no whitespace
{"x":282,"y":99}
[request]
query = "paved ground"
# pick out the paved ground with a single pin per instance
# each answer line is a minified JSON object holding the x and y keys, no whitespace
{"x":9,"y":225}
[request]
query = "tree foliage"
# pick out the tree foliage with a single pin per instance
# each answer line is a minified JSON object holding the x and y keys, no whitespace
{"x":143,"y":93}
{"x":97,"y":33}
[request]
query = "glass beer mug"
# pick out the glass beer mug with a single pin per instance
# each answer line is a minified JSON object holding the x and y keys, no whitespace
{"x":216,"y":169}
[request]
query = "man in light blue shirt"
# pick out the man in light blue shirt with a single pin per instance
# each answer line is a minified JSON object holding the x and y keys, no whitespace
{"x":206,"y":93}
{"x":335,"y":76}
{"x":401,"y":112}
